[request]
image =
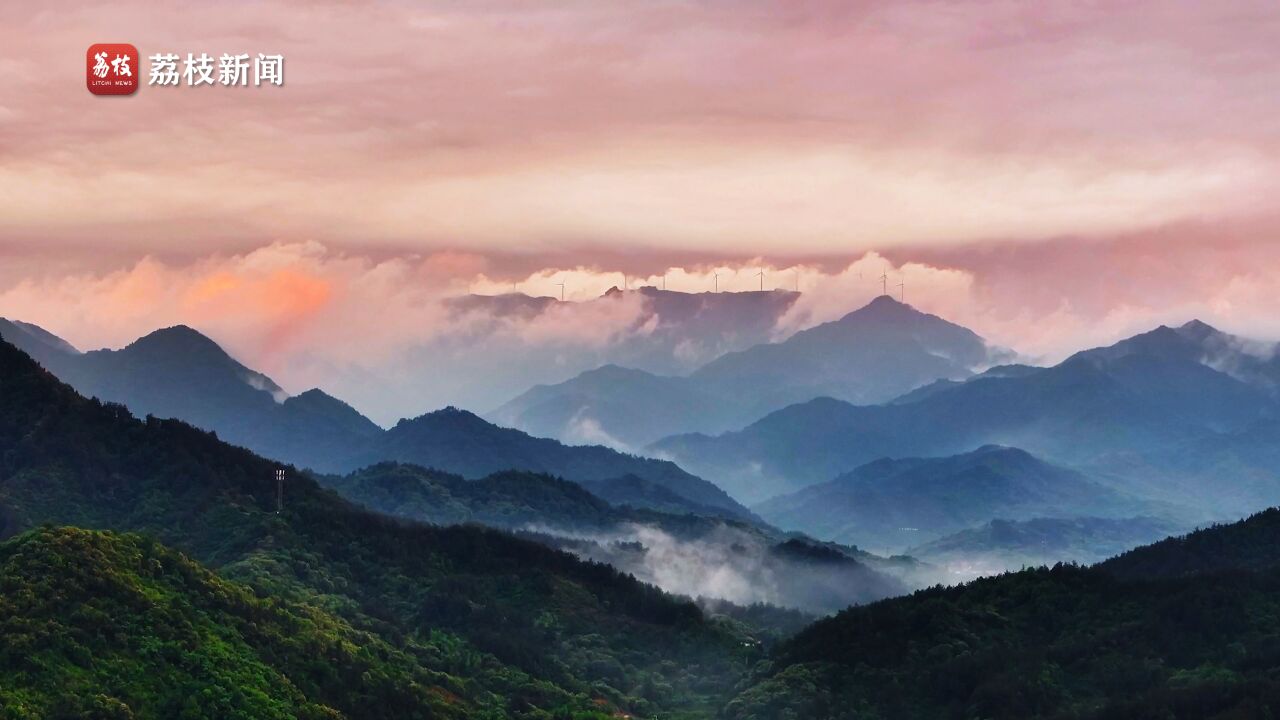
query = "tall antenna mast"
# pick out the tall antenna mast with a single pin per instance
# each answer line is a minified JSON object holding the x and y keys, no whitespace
{"x":279,"y":490}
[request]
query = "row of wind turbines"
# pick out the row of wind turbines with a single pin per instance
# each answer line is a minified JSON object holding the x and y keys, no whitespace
{"x":884,"y":283}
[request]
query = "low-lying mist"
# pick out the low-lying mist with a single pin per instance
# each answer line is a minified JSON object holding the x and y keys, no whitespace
{"x":728,"y":563}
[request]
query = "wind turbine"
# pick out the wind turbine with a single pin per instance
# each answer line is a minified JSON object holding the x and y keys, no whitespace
{"x":561,"y":284}
{"x":902,"y":291}
{"x":664,"y":282}
{"x":884,"y":282}
{"x":717,"y":278}
{"x":761,"y":276}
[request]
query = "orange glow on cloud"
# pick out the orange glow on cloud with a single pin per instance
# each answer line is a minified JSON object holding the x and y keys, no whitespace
{"x":217,"y":287}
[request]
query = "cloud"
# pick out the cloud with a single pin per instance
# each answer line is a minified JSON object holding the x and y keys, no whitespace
{"x":398,"y":334}
{"x":658,"y":127}
{"x":1051,"y":176}
{"x":724,"y":562}
{"x":583,"y":429}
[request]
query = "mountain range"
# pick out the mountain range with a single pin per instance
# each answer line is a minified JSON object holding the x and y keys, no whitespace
{"x":674,"y":332}
{"x":461,"y":442}
{"x":870,"y":355}
{"x":179,"y":373}
{"x":367,"y":616}
{"x":320,"y":609}
{"x":1168,"y":388}
{"x":235,"y":605}
{"x":891,"y":505}
{"x":694,"y":554}
{"x":1002,"y":545}
{"x":489,"y":349}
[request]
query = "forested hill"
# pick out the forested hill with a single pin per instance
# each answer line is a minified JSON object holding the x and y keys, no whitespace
{"x":504,"y":500}
{"x":461,"y":442}
{"x":1066,"y":642}
{"x":101,"y":625}
{"x":690,"y":553}
{"x":541,"y":629}
{"x":1249,"y":544}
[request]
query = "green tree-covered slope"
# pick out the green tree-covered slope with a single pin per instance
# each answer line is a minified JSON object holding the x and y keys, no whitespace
{"x":97,"y":624}
{"x":1138,"y":638}
{"x":540,"y":626}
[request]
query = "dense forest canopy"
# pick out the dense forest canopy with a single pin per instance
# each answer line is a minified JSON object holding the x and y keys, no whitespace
{"x":544,"y":630}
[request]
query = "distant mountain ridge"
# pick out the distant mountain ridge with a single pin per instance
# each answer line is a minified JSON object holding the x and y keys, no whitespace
{"x":461,"y":442}
{"x":1002,"y":545}
{"x":178,"y":372}
{"x":675,"y":331}
{"x":870,"y":355}
{"x":491,"y":360}
{"x":1148,"y":392}
{"x":35,"y":340}
{"x":892,"y":505}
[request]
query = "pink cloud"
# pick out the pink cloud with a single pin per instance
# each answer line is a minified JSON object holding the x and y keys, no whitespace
{"x":1053,"y":175}
{"x":311,"y":315}
{"x":746,"y":128}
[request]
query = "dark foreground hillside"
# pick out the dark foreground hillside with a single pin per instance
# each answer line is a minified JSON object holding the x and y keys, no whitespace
{"x":101,"y":625}
{"x":529,"y":629}
{"x":1066,"y":642}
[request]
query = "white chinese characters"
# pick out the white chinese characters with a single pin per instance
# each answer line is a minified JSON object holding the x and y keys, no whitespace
{"x":233,"y":69}
{"x":164,"y":70}
{"x":119,"y":66}
{"x":229,"y":70}
{"x":198,"y":70}
{"x":268,"y":68}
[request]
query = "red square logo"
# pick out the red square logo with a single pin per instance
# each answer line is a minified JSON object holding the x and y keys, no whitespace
{"x":111,"y":69}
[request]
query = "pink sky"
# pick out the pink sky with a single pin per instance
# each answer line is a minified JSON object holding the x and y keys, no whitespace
{"x":1063,"y":172}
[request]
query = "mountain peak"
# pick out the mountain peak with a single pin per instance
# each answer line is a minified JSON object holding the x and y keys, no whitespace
{"x":888,"y":309}
{"x":451,"y":415}
{"x":613,"y":371}
{"x":1198,"y":330}
{"x":884,"y":301}
{"x":34,"y":339}
{"x":179,"y":338}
